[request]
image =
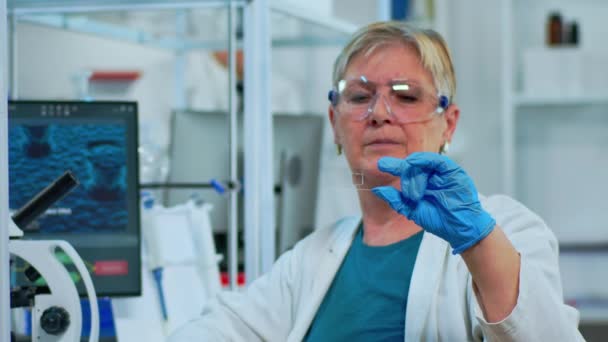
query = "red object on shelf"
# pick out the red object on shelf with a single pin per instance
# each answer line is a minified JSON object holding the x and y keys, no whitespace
{"x":240,"y":279}
{"x":114,"y":75}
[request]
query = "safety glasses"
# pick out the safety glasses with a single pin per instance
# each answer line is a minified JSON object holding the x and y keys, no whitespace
{"x":407,"y":101}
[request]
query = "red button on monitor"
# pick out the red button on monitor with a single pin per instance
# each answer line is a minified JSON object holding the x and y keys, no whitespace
{"x":111,"y":267}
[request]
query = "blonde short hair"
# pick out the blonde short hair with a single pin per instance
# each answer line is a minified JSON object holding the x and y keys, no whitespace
{"x":431,"y":47}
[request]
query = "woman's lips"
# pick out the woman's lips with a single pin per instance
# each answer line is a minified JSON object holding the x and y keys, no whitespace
{"x":382,"y":142}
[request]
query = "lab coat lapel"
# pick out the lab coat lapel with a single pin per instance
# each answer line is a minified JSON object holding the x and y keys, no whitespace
{"x":423,"y":286}
{"x":333,"y":256}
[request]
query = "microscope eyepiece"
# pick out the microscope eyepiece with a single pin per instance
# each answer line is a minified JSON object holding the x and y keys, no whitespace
{"x":44,"y":199}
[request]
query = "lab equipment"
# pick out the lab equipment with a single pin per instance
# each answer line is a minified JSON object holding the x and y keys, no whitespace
{"x":406,"y":100}
{"x":157,"y":270}
{"x":199,"y":154}
{"x":98,"y":142}
{"x":56,"y":315}
{"x":181,"y":255}
{"x":439,"y":196}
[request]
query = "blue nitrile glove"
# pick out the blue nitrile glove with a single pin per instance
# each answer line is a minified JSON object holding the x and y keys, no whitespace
{"x":439,"y":196}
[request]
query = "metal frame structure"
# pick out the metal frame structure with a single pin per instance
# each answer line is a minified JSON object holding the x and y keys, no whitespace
{"x":5,"y":303}
{"x":67,"y":6}
{"x":70,"y":18}
{"x":259,"y":202}
{"x":232,"y":136}
{"x":179,"y":71}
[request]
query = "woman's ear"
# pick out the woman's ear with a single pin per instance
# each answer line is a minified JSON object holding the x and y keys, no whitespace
{"x":451,"y":115}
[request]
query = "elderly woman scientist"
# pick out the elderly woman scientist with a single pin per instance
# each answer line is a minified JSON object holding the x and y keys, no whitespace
{"x":429,"y":259}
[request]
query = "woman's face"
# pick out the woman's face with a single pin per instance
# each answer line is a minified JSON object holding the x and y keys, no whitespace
{"x":379,"y":134}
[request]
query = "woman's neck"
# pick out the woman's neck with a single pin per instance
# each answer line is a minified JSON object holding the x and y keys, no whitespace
{"x":381,"y":224}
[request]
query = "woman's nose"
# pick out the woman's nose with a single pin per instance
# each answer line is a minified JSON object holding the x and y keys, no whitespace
{"x":380,"y":111}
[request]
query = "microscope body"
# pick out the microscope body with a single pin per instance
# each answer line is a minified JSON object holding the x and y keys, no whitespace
{"x":56,"y":315}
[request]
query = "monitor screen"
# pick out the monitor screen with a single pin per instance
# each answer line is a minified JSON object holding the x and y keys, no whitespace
{"x":199,"y":152}
{"x":97,"y":142}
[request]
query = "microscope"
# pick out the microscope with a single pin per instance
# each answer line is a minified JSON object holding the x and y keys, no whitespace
{"x":56,"y":310}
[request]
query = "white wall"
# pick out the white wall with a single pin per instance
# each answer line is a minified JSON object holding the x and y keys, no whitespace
{"x":475,"y":45}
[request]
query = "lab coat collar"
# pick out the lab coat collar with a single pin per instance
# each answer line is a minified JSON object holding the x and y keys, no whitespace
{"x":424,"y":284}
{"x":334,"y":255}
{"x":347,"y":228}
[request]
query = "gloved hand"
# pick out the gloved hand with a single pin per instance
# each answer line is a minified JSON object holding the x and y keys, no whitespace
{"x":438,"y":196}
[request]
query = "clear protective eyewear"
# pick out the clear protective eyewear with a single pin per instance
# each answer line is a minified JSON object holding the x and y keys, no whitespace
{"x":407,"y":101}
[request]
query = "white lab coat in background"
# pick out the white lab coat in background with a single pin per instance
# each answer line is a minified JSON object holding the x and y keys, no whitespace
{"x":281,"y":305}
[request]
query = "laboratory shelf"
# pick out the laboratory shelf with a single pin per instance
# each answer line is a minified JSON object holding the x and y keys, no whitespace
{"x":583,"y":247}
{"x":529,"y":100}
{"x":67,"y":6}
{"x":173,"y":25}
{"x":593,"y":314}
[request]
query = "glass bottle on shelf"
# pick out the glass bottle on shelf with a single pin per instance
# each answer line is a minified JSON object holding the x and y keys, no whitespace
{"x":554,"y":29}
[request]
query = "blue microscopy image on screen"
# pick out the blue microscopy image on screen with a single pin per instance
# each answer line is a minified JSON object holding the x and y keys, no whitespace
{"x":96,"y":155}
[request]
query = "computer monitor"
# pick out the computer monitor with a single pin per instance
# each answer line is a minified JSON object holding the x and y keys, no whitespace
{"x":199,"y":152}
{"x":97,"y":141}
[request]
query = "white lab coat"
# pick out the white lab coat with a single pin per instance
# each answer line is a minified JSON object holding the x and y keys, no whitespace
{"x":281,"y":305}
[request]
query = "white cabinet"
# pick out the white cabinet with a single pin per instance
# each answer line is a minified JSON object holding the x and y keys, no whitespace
{"x":555,"y":137}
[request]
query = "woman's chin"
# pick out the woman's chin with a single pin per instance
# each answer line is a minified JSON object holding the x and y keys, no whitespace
{"x":365,"y":168}
{"x":372,"y":155}
{"x":368,"y":176}
{"x":371,"y":160}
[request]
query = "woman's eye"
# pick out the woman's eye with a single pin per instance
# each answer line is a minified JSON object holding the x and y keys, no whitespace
{"x":359,"y":98}
{"x":407,"y":98}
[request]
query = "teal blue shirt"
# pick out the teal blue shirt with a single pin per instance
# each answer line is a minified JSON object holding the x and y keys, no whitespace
{"x":368,"y":297}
